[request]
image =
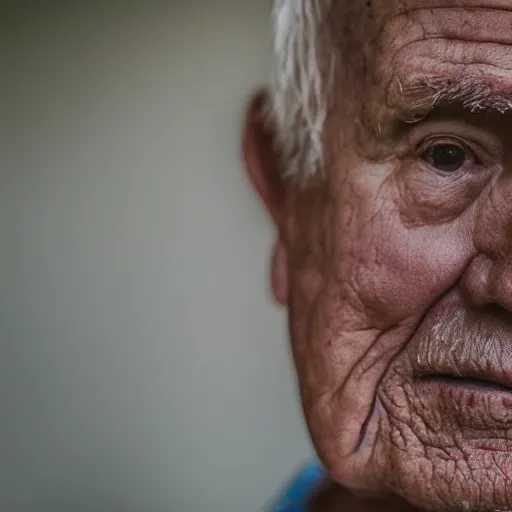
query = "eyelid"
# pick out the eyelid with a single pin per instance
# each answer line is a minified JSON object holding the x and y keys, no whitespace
{"x":481,"y":142}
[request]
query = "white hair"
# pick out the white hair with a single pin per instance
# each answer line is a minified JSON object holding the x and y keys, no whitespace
{"x":298,"y":92}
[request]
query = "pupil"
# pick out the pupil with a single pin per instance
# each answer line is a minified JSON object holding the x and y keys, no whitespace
{"x":448,"y":157}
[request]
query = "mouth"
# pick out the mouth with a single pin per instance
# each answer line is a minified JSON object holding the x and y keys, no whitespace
{"x":478,"y":402}
{"x":458,"y":349}
{"x":472,"y":382}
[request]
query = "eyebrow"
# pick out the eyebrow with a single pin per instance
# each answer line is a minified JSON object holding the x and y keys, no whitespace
{"x":420,"y":96}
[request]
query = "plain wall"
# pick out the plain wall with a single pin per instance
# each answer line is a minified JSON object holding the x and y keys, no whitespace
{"x":143,"y":366}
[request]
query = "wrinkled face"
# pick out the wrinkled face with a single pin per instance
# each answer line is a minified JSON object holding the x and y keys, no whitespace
{"x":398,"y":261}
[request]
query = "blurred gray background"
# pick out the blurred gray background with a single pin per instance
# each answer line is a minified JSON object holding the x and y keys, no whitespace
{"x":143,"y":366}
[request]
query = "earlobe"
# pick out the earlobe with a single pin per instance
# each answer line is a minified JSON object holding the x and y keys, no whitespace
{"x":262,"y":162}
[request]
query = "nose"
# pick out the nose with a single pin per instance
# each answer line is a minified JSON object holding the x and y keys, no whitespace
{"x":488,"y":281}
{"x":488,"y":278}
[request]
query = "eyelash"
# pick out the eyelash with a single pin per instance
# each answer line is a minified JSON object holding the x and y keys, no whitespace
{"x":431,"y":142}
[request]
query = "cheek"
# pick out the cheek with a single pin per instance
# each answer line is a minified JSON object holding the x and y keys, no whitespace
{"x":410,"y":269}
{"x":354,"y":308}
{"x":398,"y":267}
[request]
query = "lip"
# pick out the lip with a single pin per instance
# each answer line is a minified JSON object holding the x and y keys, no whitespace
{"x":471,"y":367}
{"x":464,"y":373}
{"x":482,"y":381}
{"x":461,"y":362}
{"x":464,"y":378}
{"x":460,"y":346}
{"x":470,"y":382}
{"x":478,"y":406}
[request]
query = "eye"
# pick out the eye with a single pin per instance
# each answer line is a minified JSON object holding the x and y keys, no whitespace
{"x":446,"y":157}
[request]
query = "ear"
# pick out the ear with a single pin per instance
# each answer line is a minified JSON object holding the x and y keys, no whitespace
{"x":263,"y":164}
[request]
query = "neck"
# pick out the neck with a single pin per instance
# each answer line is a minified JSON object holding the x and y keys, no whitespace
{"x":334,"y":498}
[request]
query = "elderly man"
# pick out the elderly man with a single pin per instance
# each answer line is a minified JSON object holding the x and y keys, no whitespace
{"x":383,"y":152}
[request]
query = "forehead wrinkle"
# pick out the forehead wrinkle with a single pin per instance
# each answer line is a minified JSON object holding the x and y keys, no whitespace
{"x":421,"y":60}
{"x":393,"y":8}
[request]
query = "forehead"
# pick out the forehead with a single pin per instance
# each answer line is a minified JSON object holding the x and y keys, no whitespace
{"x":383,"y":9}
{"x":417,"y":52}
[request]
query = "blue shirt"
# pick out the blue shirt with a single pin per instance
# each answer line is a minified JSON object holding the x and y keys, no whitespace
{"x":297,"y":493}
